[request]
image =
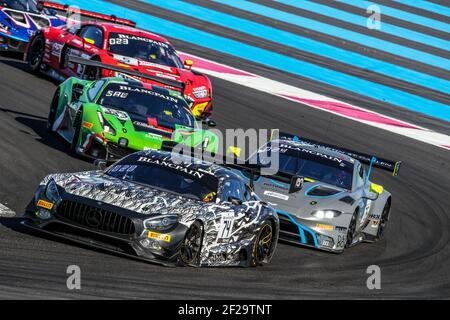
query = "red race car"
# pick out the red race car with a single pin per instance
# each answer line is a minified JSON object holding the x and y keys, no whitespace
{"x":116,"y":42}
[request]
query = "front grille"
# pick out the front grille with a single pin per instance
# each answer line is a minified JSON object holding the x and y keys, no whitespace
{"x":287,"y":225}
{"x":95,"y":218}
{"x":118,"y":152}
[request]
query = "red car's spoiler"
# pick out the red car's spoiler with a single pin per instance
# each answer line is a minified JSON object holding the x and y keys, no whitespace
{"x":84,"y":13}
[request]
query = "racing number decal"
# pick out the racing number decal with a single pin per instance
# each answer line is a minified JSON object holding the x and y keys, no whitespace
{"x":226,"y":226}
{"x":118,"y":41}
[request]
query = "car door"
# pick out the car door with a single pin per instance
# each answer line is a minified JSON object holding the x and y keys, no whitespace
{"x":87,"y":42}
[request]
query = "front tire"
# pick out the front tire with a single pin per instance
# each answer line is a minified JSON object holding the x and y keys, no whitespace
{"x":351,"y":230}
{"x":36,"y":53}
{"x":192,"y":245}
{"x":262,"y":247}
{"x":76,"y":133}
{"x":52,"y":113}
{"x":384,"y":220}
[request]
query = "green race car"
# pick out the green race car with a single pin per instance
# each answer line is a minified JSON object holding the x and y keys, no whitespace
{"x":113,"y":117}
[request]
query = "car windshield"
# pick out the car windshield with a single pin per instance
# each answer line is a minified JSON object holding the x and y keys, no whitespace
{"x":156,"y":106}
{"x":166,"y":175}
{"x":307,"y":162}
{"x":22,"y":5}
{"x":144,"y":49}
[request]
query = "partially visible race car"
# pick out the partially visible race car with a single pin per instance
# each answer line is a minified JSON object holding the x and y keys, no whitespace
{"x":21,"y":19}
{"x":161,"y":207}
{"x":119,"y":45}
{"x":338,"y":206}
{"x":113,"y":117}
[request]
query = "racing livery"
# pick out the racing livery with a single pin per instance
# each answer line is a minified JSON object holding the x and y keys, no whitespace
{"x":20,"y":19}
{"x":113,"y":117}
{"x":120,"y":46}
{"x":162,"y":207}
{"x":337,"y":206}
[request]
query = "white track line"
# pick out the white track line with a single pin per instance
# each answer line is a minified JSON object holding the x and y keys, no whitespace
{"x":6,"y":212}
{"x":318,"y":101}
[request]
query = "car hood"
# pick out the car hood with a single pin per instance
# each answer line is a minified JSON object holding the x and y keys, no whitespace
{"x":96,"y":185}
{"x":313,"y":196}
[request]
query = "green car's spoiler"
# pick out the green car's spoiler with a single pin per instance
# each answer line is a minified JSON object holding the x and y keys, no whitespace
{"x":98,"y":64}
{"x":371,"y":160}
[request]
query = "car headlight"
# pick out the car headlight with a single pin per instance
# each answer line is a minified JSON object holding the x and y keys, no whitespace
{"x":161,"y":222}
{"x":107,"y":127}
{"x":51,"y":191}
{"x":326,"y":214}
{"x":201,"y":94}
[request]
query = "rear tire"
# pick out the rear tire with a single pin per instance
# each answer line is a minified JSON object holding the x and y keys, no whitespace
{"x":76,"y":134}
{"x":384,"y":219}
{"x":263,"y":244}
{"x":35,"y":53}
{"x":351,"y":230}
{"x":192,"y":245}
{"x":52,"y":113}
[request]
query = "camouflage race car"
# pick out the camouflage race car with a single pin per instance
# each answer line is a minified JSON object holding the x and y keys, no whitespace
{"x":161,"y":207}
{"x":337,"y":206}
{"x":113,"y":117}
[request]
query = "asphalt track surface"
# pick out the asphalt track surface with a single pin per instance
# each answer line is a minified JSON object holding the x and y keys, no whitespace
{"x":414,"y":255}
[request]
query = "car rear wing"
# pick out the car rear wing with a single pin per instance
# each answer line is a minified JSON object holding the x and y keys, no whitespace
{"x":253,"y":170}
{"x":67,"y":10}
{"x":371,"y":160}
{"x":97,"y":64}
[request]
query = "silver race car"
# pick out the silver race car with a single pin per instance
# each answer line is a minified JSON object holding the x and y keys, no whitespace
{"x":151,"y":207}
{"x":337,"y":207}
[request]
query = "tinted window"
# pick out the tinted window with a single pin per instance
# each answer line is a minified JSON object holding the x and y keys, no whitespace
{"x":167,"y":176}
{"x":233,"y":188}
{"x":144,"y":49}
{"x":313,"y":164}
{"x":159,"y":108}
{"x":93,"y":34}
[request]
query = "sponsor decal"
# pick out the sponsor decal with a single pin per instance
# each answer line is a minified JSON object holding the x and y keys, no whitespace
{"x":123,"y":88}
{"x":340,"y":229}
{"x":166,"y":163}
{"x":87,"y":125}
{"x":123,"y":39}
{"x":159,"y":236}
{"x":45,"y":204}
{"x":324,"y":227}
{"x":276,"y":195}
{"x":375,"y":223}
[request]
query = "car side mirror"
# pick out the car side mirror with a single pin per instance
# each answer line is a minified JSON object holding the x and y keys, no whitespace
{"x":188,"y":64}
{"x":100,"y":163}
{"x":296,"y":184}
{"x":77,"y":91}
{"x":235,"y":201}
